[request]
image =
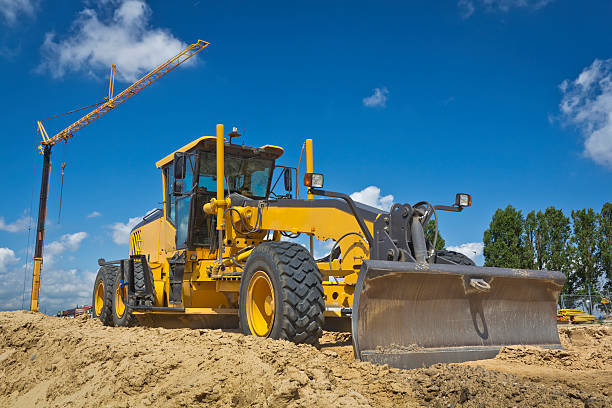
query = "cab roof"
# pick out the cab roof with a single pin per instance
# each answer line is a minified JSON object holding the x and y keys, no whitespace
{"x":275,"y":151}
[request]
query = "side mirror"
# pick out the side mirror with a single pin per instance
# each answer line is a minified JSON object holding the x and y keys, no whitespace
{"x":177,"y":187}
{"x":179,"y":166}
{"x":288,"y":180}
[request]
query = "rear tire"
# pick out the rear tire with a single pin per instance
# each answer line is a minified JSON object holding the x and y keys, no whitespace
{"x":122,"y":315}
{"x":102,"y":297}
{"x":455,"y":257}
{"x":287,"y":282}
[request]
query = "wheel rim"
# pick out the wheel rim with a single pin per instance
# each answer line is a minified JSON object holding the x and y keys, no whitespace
{"x":99,"y":298}
{"x":260,"y":304}
{"x":119,"y":305}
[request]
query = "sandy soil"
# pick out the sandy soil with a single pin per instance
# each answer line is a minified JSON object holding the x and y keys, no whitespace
{"x":48,"y":361}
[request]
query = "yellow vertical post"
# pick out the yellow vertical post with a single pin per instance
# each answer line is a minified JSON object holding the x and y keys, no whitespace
{"x":309,"y":162}
{"x":220,"y":190}
{"x":35,"y":285}
{"x":310,"y":169}
{"x":220,"y":178}
{"x":111,"y":82}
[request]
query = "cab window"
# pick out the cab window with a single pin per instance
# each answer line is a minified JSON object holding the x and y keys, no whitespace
{"x":247,"y":176}
{"x":168,"y":200}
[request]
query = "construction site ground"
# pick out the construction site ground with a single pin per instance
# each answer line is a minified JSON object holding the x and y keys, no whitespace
{"x":60,"y":362}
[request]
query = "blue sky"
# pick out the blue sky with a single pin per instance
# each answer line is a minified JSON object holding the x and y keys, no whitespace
{"x":509,"y":100}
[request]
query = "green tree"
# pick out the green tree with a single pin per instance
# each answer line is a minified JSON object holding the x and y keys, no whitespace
{"x":430,"y":231}
{"x":585,"y":248}
{"x":547,"y":234}
{"x":505,"y":242}
{"x":554,"y":247}
{"x":535,"y":227}
{"x":605,"y":244}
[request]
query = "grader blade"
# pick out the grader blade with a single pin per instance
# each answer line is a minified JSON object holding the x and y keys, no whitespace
{"x":410,"y":315}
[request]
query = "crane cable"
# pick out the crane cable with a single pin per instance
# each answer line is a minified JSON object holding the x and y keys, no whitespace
{"x":59,"y":214}
{"x":297,"y":173}
{"x":25,"y":268}
{"x":73,"y":111}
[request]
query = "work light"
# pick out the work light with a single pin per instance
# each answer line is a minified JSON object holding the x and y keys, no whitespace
{"x":313,"y":180}
{"x":463,"y":200}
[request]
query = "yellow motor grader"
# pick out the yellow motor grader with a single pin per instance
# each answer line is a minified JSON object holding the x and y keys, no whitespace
{"x":218,"y":255}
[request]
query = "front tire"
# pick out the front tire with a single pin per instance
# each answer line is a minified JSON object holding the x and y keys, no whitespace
{"x":122,"y":316}
{"x":455,"y":257}
{"x":102,"y":298}
{"x":281,"y":294}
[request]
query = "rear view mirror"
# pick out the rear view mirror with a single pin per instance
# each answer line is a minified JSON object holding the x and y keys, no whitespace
{"x":288,"y":180}
{"x":179,"y":166}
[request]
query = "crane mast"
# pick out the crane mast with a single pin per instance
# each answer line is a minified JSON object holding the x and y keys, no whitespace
{"x":47,"y":144}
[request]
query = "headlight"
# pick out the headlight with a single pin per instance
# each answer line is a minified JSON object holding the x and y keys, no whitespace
{"x":313,"y":180}
{"x":463,"y":200}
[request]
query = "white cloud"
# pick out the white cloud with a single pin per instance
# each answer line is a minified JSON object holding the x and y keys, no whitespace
{"x":377,"y":99}
{"x":19,"y":225}
{"x":587,"y":104}
{"x":371,"y":196}
{"x":60,"y":288}
{"x":467,"y":7}
{"x":125,"y":38}
{"x":12,"y":9}
{"x":7,"y":258}
{"x":323,"y":248}
{"x":67,"y":242}
{"x":94,"y":214}
{"x":121,"y":231}
{"x":63,"y":289}
{"x":470,"y":249}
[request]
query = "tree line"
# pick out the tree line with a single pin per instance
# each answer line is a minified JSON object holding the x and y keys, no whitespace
{"x":579,"y":245}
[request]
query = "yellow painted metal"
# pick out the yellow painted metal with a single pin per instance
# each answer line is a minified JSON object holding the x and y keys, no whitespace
{"x":42,"y":131}
{"x":228,"y":286}
{"x":34,"y":298}
{"x":119,"y":305}
{"x":324,"y":223}
{"x":260,"y":304}
{"x":183,"y":149}
{"x":220,"y":176}
{"x":309,"y":162}
{"x":99,"y":298}
{"x":277,"y":150}
{"x":128,"y":92}
{"x":338,"y":295}
{"x":111,"y":82}
{"x":193,"y":311}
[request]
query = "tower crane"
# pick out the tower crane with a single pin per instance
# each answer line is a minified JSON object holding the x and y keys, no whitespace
{"x":47,"y":143}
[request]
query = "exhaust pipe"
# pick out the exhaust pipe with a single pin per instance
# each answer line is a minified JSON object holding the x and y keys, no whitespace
{"x":418,"y":240}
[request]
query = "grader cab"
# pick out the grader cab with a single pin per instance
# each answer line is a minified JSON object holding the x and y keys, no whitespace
{"x":218,"y":255}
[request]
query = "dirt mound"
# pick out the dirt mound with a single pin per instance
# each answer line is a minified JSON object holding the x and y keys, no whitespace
{"x":586,"y":336}
{"x":587,"y":347}
{"x":585,"y":363}
{"x":472,"y":386}
{"x":570,"y":360}
{"x":48,"y":361}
